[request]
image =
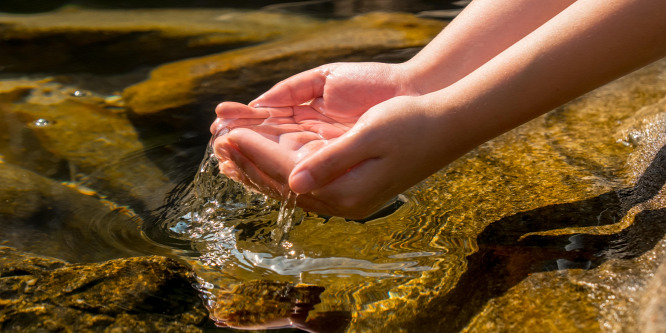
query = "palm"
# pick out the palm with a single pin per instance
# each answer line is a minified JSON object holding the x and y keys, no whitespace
{"x":341,"y":91}
{"x":277,"y":138}
{"x":295,"y":118}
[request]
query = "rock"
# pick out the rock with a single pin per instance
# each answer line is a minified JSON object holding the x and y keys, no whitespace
{"x":83,"y":137}
{"x":149,"y":294}
{"x":261,"y":303}
{"x":42,"y":216}
{"x":116,"y":40}
{"x":652,"y":315}
{"x":18,"y":145}
{"x":193,"y":87}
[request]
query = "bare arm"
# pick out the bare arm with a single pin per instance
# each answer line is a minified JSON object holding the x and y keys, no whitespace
{"x":589,"y":43}
{"x":483,"y":30}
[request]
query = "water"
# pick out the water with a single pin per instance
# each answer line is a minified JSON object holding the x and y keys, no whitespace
{"x":242,"y":237}
{"x":567,"y":207}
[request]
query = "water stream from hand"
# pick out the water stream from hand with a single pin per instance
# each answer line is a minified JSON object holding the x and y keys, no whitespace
{"x":215,"y":210}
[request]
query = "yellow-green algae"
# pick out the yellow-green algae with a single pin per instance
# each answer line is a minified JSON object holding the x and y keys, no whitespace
{"x":87,"y":133}
{"x":105,"y":40}
{"x":146,"y":294}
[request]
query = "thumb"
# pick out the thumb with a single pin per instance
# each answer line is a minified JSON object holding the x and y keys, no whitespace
{"x":296,"y":90}
{"x":329,"y":163}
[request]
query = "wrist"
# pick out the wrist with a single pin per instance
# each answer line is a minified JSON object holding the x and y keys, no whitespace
{"x":411,"y":79}
{"x":422,"y":77}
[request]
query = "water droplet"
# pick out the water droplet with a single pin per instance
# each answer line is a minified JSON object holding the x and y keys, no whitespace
{"x":78,"y":93}
{"x":42,"y":122}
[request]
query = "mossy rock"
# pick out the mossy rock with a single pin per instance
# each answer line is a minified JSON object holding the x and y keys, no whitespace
{"x":191,"y":88}
{"x":43,"y":216}
{"x":148,"y":294}
{"x":110,"y":41}
{"x":73,"y":133}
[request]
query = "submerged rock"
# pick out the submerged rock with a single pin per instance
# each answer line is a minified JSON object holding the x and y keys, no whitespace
{"x":42,"y":216}
{"x":148,"y":294}
{"x":197,"y":85}
{"x":256,"y":304}
{"x":117,"y":40}
{"x":76,"y":134}
{"x":262,"y":304}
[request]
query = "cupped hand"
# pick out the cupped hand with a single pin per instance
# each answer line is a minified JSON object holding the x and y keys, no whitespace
{"x":286,"y":127}
{"x":353,"y":174}
{"x":340,"y":91}
{"x":288,"y":135}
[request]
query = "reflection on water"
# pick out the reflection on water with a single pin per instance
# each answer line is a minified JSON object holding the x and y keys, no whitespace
{"x":233,"y":233}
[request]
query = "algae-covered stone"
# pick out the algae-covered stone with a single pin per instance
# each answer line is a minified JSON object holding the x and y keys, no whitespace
{"x":241,"y":75}
{"x":78,"y":132}
{"x":265,"y":304}
{"x":43,"y":216}
{"x":113,"y":40}
{"x":148,"y":294}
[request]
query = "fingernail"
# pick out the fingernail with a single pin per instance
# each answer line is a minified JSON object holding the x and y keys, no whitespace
{"x":302,"y":182}
{"x":255,"y":102}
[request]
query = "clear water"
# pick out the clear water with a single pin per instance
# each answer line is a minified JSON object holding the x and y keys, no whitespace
{"x":530,"y":213}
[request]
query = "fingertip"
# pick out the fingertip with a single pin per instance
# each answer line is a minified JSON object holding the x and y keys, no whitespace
{"x":256,"y":103}
{"x":239,"y":135}
{"x":302,"y":182}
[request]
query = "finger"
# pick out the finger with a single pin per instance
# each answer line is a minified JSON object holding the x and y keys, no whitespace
{"x":253,"y":177}
{"x":233,"y":172}
{"x":229,"y":169}
{"x":223,"y":126}
{"x":221,"y":148}
{"x":330,"y":162}
{"x":267,"y":155}
{"x":298,"y":89}
{"x":238,"y":110}
{"x":295,"y":140}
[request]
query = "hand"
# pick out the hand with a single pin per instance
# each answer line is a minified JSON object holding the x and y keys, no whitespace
{"x":353,"y":174}
{"x":291,"y":134}
{"x":339,"y":92}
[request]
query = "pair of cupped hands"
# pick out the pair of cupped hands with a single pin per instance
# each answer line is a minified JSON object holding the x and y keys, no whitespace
{"x":347,"y":137}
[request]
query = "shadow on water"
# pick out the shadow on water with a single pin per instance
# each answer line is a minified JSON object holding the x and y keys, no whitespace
{"x":508,"y":252}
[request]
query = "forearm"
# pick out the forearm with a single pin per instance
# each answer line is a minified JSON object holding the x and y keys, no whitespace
{"x":588,"y":44}
{"x":483,"y":30}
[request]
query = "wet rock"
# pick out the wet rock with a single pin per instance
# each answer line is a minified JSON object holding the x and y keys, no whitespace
{"x":117,"y":40}
{"x":83,"y":136}
{"x":19,"y":145}
{"x":261,"y":304}
{"x":40,"y":215}
{"x":193,"y":87}
{"x":148,"y":294}
{"x":652,"y":316}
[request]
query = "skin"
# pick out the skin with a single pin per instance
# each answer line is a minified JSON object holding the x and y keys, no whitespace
{"x":348,"y":137}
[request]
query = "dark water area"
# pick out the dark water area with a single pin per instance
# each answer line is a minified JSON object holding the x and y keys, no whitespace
{"x":114,"y":215}
{"x":319,"y":8}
